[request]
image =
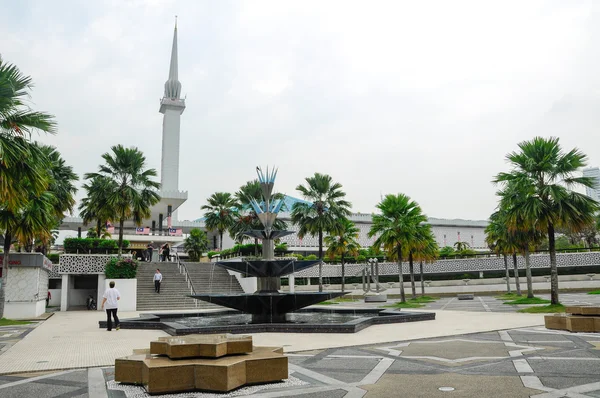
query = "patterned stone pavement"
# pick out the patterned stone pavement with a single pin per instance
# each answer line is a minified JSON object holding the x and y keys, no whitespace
{"x":524,"y":362}
{"x":10,"y":335}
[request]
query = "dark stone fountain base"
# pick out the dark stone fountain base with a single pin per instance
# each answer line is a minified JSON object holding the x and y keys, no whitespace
{"x":268,"y":307}
{"x":314,"y":320}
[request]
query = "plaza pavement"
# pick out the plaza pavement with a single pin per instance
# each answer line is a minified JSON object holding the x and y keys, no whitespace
{"x":471,"y":346}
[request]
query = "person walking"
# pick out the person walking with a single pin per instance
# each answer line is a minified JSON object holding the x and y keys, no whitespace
{"x":111,"y":300}
{"x":157,"y":281}
{"x":166,"y":252}
{"x":48,"y":298}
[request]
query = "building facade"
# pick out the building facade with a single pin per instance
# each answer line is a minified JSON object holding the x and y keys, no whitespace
{"x":593,"y":172}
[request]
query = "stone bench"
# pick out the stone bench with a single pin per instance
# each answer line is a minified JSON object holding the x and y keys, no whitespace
{"x":466,"y":296}
{"x":576,"y":319}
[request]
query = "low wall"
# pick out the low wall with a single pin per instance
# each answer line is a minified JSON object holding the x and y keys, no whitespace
{"x":461,"y":265}
{"x":24,"y":310}
{"x":128,"y":290}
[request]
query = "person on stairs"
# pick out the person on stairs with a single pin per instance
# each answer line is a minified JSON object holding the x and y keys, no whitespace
{"x":157,"y":281}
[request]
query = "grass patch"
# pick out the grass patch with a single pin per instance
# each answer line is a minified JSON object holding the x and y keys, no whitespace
{"x":594,"y":292}
{"x":10,"y":322}
{"x":525,"y":300}
{"x":328,"y":302}
{"x":414,"y":303}
{"x":546,"y":309}
{"x":343,"y":300}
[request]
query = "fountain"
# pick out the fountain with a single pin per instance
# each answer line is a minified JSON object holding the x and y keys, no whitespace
{"x":267,"y":309}
{"x":267,"y":304}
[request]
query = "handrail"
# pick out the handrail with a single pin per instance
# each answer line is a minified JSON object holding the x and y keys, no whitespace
{"x":183,"y":270}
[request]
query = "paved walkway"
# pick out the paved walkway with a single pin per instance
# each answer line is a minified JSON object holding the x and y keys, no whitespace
{"x":521,"y":362}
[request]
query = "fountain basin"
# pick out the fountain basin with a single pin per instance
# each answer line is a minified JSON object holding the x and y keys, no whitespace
{"x":314,"y":320}
{"x":268,"y":307}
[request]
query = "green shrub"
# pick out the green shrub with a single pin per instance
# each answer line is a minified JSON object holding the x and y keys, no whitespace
{"x":311,"y":257}
{"x":92,"y":245}
{"x":211,"y":254}
{"x":298,"y":256}
{"x":121,"y":268}
{"x":53,"y":257}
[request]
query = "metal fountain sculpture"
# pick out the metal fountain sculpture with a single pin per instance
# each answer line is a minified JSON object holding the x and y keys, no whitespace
{"x":267,"y":304}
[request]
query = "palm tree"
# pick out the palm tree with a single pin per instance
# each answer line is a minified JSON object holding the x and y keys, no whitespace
{"x":542,"y":170}
{"x":342,"y":242}
{"x":95,"y":207}
{"x":524,"y":235}
{"x":497,"y":240}
{"x":132,"y":189}
{"x":23,"y":166}
{"x":195,"y":244}
{"x":319,"y":216}
{"x":220,"y":213}
{"x":397,"y":227}
{"x":426,"y":250}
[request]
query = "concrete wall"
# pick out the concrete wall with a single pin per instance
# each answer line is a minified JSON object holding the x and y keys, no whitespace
{"x":128,"y":290}
{"x":248,"y":284}
{"x":56,"y":294}
{"x":24,"y":310}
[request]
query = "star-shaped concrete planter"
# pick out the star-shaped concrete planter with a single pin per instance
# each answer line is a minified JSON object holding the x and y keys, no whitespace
{"x":225,"y":364}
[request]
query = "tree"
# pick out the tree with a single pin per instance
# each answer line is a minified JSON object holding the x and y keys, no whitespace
{"x":542,"y":170}
{"x":342,"y":242}
{"x":396,"y":227}
{"x":424,"y":250}
{"x":220,"y":213}
{"x":461,"y":246}
{"x":525,"y":236}
{"x":195,"y":244}
{"x":497,"y":240}
{"x":95,"y":206}
{"x":319,"y":216}
{"x":132,"y":190}
{"x":23,"y":170}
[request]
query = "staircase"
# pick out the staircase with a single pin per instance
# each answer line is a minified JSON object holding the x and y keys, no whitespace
{"x":174,"y":288}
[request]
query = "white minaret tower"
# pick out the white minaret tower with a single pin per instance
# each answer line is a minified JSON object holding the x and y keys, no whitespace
{"x":171,"y":106}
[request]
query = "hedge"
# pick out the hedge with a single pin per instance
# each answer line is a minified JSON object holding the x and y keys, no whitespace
{"x":92,"y":245}
{"x":121,"y":268}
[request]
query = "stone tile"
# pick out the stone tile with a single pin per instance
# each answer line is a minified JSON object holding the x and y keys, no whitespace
{"x":344,"y":363}
{"x":455,"y":349}
{"x":346,"y":377}
{"x":328,"y":394}
{"x":504,"y":367}
{"x":575,"y":353}
{"x":36,"y":390}
{"x":405,"y":366}
{"x":466,"y":386}
{"x":560,"y":382}
{"x":565,"y":366}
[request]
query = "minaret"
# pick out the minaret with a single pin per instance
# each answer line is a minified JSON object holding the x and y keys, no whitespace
{"x":171,"y":106}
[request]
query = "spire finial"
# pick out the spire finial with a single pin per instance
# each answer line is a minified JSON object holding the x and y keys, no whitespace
{"x":172,"y":85}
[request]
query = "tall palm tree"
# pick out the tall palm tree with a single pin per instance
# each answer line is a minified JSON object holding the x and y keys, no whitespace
{"x":220,"y":213}
{"x":396,"y":227}
{"x":23,"y":166}
{"x":542,"y":170}
{"x":524,"y":235}
{"x":497,"y":240}
{"x":95,"y":206}
{"x":59,"y":196}
{"x":342,"y":242}
{"x":133,"y":191}
{"x":319,"y":216}
{"x":426,"y":250}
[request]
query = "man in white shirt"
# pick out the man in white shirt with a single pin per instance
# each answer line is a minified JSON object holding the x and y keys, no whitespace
{"x":111,"y":299}
{"x":157,"y":281}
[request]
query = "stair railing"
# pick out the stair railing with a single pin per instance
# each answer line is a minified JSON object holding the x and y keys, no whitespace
{"x":183,"y":270}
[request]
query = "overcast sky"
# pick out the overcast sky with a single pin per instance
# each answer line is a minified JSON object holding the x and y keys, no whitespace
{"x":420,"y":97}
